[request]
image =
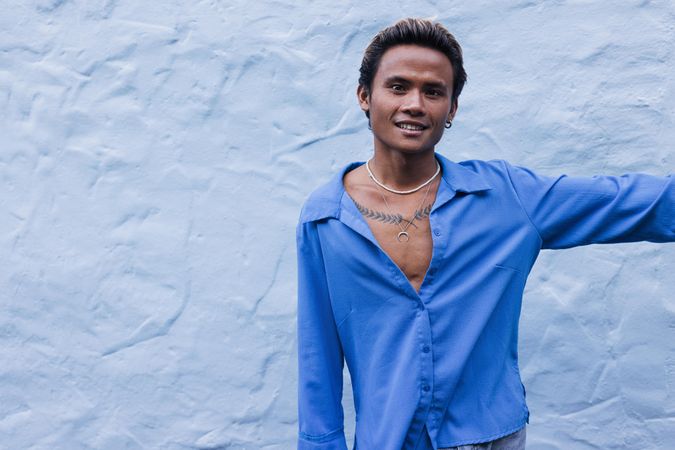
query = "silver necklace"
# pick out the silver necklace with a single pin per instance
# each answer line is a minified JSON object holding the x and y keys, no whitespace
{"x":403,"y":236}
{"x":410,"y":191}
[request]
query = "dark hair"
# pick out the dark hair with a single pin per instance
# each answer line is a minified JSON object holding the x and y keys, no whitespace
{"x":419,"y":32}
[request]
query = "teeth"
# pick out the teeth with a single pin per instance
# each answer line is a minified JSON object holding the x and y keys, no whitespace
{"x":407,"y":126}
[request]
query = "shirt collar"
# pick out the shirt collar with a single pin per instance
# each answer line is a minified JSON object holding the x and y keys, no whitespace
{"x":460,"y":178}
{"x":325,"y":201}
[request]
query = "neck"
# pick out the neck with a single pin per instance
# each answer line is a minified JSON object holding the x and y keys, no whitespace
{"x":402,"y":170}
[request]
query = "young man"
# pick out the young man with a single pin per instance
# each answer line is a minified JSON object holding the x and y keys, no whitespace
{"x":412,"y":267}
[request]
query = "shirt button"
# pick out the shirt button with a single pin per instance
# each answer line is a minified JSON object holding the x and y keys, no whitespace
{"x":426,"y":388}
{"x":426,"y":349}
{"x":437,"y":232}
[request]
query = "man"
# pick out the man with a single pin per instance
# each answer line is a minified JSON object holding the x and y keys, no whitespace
{"x":412,"y":267}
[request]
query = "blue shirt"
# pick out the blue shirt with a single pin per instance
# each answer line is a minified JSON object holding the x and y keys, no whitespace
{"x":439,"y":368}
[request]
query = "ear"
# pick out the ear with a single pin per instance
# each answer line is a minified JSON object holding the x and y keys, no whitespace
{"x":453,"y":110}
{"x":363,"y":97}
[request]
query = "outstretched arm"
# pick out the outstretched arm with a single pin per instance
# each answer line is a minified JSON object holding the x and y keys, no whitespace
{"x":573,"y":211}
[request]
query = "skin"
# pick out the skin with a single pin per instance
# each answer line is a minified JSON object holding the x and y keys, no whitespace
{"x":412,"y":85}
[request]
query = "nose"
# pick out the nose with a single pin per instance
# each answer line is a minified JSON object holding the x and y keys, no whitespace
{"x":414,"y":103}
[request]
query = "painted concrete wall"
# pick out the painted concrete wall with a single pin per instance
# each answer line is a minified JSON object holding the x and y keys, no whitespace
{"x":153,"y":160}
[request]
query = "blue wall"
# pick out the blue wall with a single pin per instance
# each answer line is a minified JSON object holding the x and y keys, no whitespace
{"x":153,"y":160}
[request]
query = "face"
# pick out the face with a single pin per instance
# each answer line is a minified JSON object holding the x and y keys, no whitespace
{"x":410,"y":99}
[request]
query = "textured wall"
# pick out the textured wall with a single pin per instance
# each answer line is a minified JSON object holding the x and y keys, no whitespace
{"x":153,"y":160}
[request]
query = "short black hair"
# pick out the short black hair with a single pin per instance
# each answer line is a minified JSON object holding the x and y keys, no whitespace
{"x":420,"y":32}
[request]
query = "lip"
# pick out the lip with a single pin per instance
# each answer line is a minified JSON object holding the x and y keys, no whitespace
{"x":411,"y":122}
{"x":411,"y":133}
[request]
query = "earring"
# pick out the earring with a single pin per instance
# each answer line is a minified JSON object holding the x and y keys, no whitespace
{"x":448,"y":124}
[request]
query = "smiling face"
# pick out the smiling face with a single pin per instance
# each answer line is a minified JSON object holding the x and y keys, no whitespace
{"x":410,"y":99}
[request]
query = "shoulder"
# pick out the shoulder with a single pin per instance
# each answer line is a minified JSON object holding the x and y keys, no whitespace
{"x":324,"y":201}
{"x":476,"y":175}
{"x":321,"y":203}
{"x":489,"y":168}
{"x":501,"y":172}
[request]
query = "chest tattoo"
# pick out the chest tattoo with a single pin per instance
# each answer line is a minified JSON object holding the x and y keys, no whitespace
{"x":393,"y":219}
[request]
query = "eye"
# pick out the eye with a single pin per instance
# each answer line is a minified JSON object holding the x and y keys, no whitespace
{"x":397,"y":88}
{"x":435,"y":92}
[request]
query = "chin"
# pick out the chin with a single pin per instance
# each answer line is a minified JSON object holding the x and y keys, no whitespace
{"x":416,"y":150}
{"x":408,"y":146}
{"x":411,"y":147}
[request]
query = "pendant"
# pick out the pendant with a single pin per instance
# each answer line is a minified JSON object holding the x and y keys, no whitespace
{"x":403,"y":237}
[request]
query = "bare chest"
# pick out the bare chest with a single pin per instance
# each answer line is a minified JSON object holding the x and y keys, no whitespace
{"x":411,"y":255}
{"x":400,"y":224}
{"x":401,"y":228}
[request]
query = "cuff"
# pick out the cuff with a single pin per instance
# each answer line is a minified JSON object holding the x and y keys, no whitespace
{"x":335,"y":440}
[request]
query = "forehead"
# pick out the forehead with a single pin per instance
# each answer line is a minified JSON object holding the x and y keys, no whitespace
{"x":414,"y":61}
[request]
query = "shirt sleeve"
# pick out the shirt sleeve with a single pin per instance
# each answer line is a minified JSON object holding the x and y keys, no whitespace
{"x":573,"y":211}
{"x":320,"y":355}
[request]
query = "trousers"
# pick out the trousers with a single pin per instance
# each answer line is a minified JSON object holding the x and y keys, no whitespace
{"x":513,"y":441}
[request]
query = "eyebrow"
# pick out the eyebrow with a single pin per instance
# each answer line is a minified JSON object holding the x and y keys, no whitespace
{"x":402,"y":80}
